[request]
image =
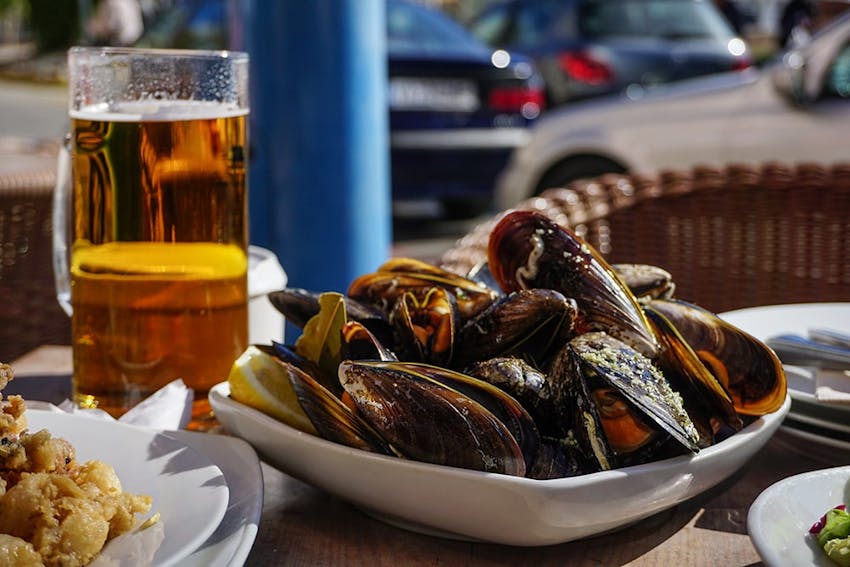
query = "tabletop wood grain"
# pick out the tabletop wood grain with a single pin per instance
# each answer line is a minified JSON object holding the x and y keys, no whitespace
{"x":302,"y":525}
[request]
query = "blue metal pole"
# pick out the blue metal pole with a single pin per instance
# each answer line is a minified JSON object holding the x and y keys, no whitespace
{"x":319,"y":175}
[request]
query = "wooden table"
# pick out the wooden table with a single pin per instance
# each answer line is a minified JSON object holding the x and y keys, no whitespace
{"x":302,"y":525}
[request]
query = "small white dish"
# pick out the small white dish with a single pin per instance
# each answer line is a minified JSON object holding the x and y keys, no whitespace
{"x":189,"y":492}
{"x":780,"y":517}
{"x":495,"y":508}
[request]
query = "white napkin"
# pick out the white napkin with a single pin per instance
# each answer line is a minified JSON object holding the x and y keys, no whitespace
{"x":132,"y":549}
{"x":170,"y":407}
{"x":832,"y":386}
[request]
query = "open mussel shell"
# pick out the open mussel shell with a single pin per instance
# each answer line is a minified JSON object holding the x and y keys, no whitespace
{"x":425,"y":329}
{"x":401,"y":275}
{"x":527,"y":250}
{"x":583,"y":423}
{"x":705,"y":399}
{"x":747,"y":368}
{"x":621,"y":381}
{"x":526,"y":322}
{"x":429,"y":421}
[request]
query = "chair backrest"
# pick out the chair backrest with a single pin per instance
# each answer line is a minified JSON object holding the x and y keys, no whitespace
{"x":30,"y":315}
{"x":731,"y":237}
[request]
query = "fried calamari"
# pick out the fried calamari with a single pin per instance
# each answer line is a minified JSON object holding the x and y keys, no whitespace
{"x":54,"y":510}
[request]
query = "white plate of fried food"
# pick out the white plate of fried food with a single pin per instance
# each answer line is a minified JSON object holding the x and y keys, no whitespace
{"x":188,"y":493}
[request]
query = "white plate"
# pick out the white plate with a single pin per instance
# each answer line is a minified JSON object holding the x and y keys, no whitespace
{"x":490,"y":507}
{"x":801,"y":386}
{"x":232,"y":540}
{"x":189,"y":492}
{"x":780,"y":517}
{"x":823,"y":438}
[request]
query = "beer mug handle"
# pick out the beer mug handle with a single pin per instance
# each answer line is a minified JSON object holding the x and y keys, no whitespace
{"x":61,"y":211}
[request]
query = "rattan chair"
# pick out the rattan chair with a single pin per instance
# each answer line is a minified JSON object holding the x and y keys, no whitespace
{"x":731,"y":237}
{"x":30,"y":315}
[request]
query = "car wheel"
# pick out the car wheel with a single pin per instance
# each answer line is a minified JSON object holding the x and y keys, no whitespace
{"x":577,"y":168}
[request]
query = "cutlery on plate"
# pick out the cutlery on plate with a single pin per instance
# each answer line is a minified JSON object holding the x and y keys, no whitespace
{"x":802,"y":351}
{"x":830,"y":337}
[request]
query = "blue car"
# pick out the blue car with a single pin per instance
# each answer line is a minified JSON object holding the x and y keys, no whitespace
{"x":458,"y":108}
{"x":587,"y":48}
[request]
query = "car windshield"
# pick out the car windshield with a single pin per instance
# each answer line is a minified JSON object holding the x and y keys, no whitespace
{"x":668,"y":19}
{"x":416,"y":30}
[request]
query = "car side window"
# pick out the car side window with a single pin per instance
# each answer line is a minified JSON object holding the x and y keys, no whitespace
{"x":838,"y":79}
{"x":538,"y":22}
{"x":651,"y":18}
{"x":492,"y":26}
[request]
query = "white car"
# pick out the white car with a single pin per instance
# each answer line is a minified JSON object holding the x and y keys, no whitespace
{"x":795,"y":109}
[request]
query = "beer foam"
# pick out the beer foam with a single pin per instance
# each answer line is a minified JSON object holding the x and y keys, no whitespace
{"x":158,"y":111}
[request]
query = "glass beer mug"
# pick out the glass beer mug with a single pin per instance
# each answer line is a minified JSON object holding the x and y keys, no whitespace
{"x":150,"y":222}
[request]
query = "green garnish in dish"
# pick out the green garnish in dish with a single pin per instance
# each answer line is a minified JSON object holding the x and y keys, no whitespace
{"x":833,"y":534}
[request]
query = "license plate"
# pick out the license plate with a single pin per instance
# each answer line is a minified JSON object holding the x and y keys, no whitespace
{"x":454,"y":95}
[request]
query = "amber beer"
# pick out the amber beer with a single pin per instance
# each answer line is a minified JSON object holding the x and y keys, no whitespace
{"x":159,"y":256}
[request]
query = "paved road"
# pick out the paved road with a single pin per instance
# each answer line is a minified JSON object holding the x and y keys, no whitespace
{"x":33,"y":110}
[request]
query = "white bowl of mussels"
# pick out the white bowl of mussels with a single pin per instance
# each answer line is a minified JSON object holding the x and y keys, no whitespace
{"x":490,"y":507}
{"x":547,"y":402}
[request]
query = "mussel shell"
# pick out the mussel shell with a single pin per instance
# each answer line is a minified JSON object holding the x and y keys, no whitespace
{"x":627,"y":431}
{"x":359,"y":343}
{"x":300,"y":305}
{"x":526,"y":322}
{"x":425,"y":329}
{"x":646,"y":281}
{"x":287,"y":354}
{"x":400,"y":275}
{"x":428,"y":421}
{"x":583,"y":422}
{"x":541,"y":396}
{"x":747,"y":368}
{"x":556,"y":458}
{"x":705,"y":399}
{"x":528,"y":250}
{"x":297,"y":305}
{"x":632,"y":377}
{"x":504,"y":406}
{"x":331,"y":417}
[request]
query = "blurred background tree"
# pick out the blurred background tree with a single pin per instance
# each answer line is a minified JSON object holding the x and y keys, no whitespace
{"x":55,"y":24}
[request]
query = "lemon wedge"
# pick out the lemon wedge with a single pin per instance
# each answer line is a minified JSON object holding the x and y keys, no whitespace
{"x":257,"y":380}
